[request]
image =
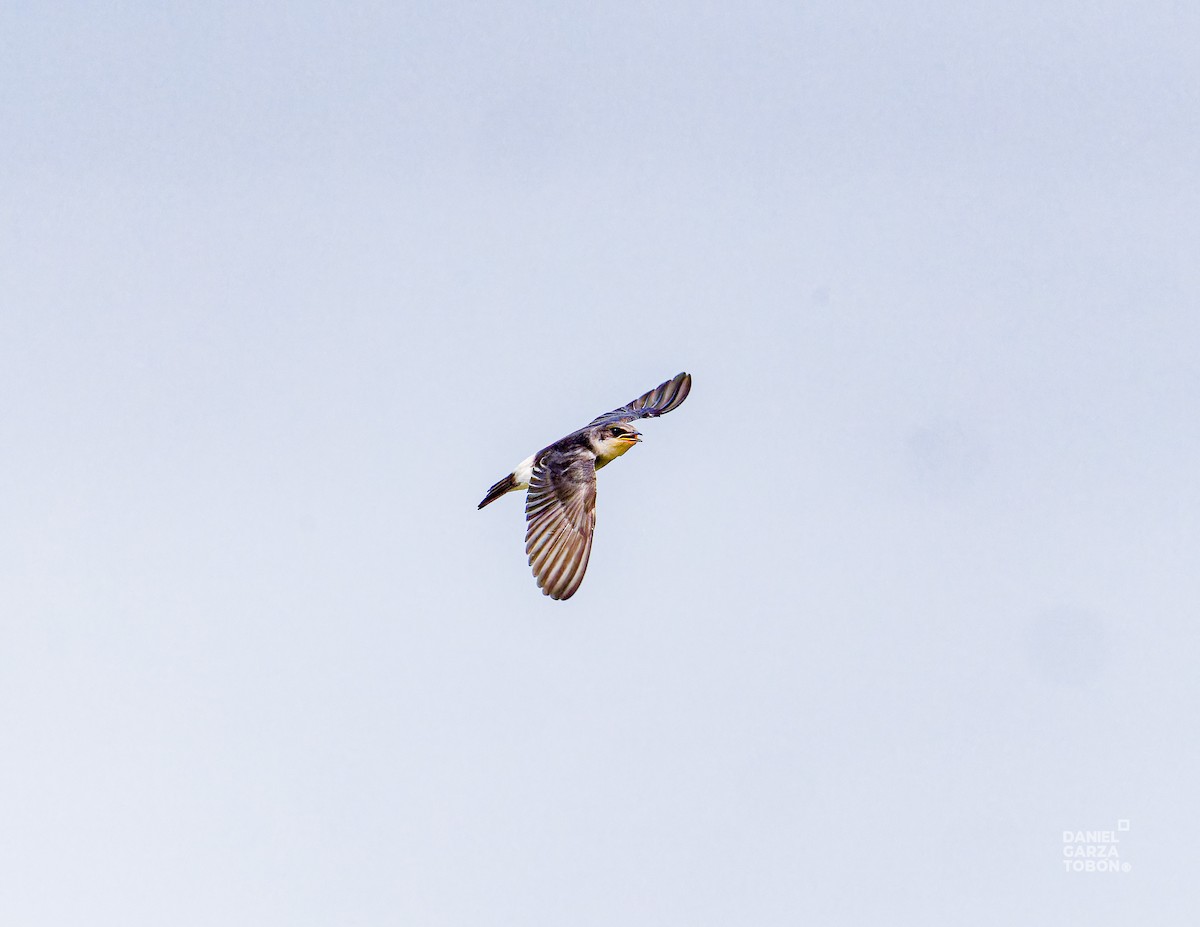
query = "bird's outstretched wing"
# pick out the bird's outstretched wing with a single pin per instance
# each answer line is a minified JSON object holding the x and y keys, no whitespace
{"x":560,"y":511}
{"x":659,"y":401}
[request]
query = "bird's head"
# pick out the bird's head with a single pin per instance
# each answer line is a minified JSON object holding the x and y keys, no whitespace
{"x":611,"y":441}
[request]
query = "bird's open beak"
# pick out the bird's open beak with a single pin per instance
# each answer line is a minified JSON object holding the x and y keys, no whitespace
{"x":634,"y":438}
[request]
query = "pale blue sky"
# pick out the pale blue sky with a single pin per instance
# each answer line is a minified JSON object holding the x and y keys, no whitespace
{"x":907,"y":587}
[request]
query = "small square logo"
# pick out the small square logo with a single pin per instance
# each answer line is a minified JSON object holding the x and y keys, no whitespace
{"x":1123,"y":824}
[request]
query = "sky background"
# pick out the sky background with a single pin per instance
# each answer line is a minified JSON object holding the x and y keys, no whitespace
{"x":907,"y":588}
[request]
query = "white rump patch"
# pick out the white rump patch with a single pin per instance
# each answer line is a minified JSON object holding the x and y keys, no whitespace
{"x":523,"y":472}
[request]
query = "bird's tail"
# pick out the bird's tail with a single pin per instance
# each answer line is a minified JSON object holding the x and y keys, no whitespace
{"x":508,"y":484}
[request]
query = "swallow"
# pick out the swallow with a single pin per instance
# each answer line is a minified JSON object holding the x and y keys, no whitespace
{"x":560,"y":507}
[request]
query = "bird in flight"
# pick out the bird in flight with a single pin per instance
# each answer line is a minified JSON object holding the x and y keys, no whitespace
{"x":560,"y":507}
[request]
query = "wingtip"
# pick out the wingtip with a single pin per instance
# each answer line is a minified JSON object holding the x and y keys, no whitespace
{"x":671,"y":394}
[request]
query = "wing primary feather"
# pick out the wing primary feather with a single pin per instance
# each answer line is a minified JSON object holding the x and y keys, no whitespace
{"x":560,"y":510}
{"x":664,"y":398}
